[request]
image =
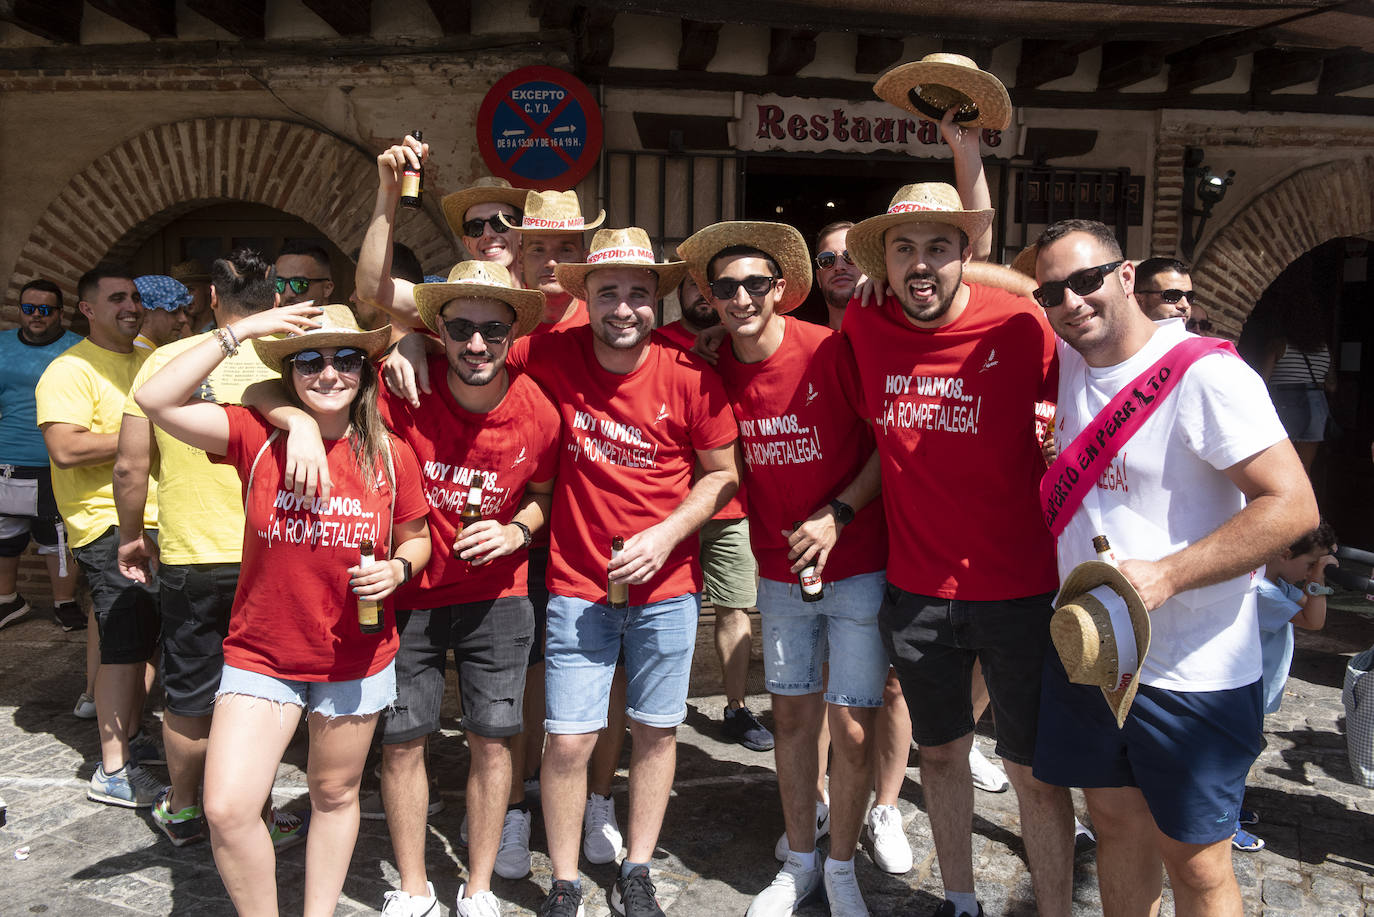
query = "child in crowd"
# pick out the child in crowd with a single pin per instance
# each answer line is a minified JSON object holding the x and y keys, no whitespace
{"x":1292,"y":591}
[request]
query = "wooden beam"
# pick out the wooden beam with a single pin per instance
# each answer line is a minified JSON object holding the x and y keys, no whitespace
{"x":554,"y":14}
{"x":55,"y":20}
{"x":980,"y":51}
{"x":1127,"y":62}
{"x":790,"y":50}
{"x":875,"y":53}
{"x":1344,"y":72}
{"x":594,"y":34}
{"x":347,"y":17}
{"x":240,"y":18}
{"x":699,"y":41}
{"x":1280,"y":68}
{"x":455,"y":16}
{"x":1046,"y":61}
{"x":154,"y":18}
{"x":1213,"y":60}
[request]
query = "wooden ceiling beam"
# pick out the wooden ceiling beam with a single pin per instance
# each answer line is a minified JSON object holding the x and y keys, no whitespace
{"x":1280,"y":68}
{"x":455,"y":16}
{"x":699,"y":43}
{"x":1127,"y":62}
{"x":55,"y":20}
{"x":1344,"y":72}
{"x":875,"y":53}
{"x":240,"y":18}
{"x":347,"y":17}
{"x":1213,"y":60}
{"x":594,"y":33}
{"x":789,"y":50}
{"x":554,"y":14}
{"x":154,"y":18}
{"x":1046,"y":61}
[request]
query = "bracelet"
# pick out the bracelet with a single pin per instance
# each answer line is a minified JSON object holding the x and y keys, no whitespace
{"x":229,"y":329}
{"x":229,"y":349}
{"x":524,"y":530}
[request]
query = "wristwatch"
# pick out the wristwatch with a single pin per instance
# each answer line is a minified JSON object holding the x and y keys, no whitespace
{"x":844,"y":513}
{"x":405,"y":570}
{"x":1317,"y":589}
{"x":524,"y":532}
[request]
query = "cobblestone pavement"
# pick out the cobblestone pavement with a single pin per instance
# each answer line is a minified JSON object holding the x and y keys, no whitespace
{"x":715,"y":853}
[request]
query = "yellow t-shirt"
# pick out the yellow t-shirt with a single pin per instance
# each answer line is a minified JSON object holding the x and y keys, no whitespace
{"x":200,"y":504}
{"x":87,"y":386}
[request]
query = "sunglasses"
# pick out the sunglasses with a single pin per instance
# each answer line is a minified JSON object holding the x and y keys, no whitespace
{"x":460,"y":329}
{"x":42,"y":308}
{"x":1088,"y":280}
{"x":473,"y":228}
{"x":826,"y":260}
{"x":1200,"y":324}
{"x":298,"y":285}
{"x":1172,"y":296}
{"x":347,"y":361}
{"x":756,"y":285}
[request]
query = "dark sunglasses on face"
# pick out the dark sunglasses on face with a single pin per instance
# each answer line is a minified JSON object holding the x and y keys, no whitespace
{"x":346,"y":361}
{"x":1088,"y":280}
{"x":1173,"y":296}
{"x":473,"y":228}
{"x":42,"y":308}
{"x":460,"y":329}
{"x":298,"y":284}
{"x":755,"y":285}
{"x":1198,"y":324}
{"x":826,"y":260}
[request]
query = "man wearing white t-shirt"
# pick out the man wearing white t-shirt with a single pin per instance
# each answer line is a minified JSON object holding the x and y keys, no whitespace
{"x":1203,"y":491}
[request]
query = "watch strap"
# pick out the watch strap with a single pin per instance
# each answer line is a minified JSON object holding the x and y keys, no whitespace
{"x":844,"y":513}
{"x":405,"y":570}
{"x":524,"y":531}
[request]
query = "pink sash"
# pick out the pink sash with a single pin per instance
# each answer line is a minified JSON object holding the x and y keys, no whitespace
{"x":1078,"y":467}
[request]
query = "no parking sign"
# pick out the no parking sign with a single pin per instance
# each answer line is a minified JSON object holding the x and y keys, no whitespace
{"x":540,"y":128}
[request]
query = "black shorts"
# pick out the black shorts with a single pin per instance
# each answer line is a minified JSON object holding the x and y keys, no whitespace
{"x":932,"y":644}
{"x":15,"y":531}
{"x":539,"y":598}
{"x":196,"y":600}
{"x":126,"y":612}
{"x":491,"y":647}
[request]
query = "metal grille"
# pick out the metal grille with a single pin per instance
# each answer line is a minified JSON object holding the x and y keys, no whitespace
{"x":672,"y":195}
{"x":1035,"y":196}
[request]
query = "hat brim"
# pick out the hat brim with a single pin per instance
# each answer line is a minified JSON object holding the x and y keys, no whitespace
{"x":573,"y":277}
{"x":1089,"y":575}
{"x":783,"y":242}
{"x":430,"y":299}
{"x":457,"y":204}
{"x":986,"y":90}
{"x":545,"y":230}
{"x":1024,"y":262}
{"x":272,"y":350}
{"x":865,"y":240}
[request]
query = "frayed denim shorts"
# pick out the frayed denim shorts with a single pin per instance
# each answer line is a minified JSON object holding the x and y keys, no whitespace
{"x":358,"y":697}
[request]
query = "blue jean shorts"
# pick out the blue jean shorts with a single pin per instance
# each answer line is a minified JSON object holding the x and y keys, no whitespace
{"x":585,"y":639}
{"x":1302,"y":410}
{"x":842,"y":629}
{"x":358,"y":697}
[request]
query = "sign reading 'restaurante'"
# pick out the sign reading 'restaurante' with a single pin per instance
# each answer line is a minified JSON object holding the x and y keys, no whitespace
{"x":771,"y":122}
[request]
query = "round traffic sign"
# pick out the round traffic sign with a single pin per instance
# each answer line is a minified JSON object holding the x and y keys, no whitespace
{"x":539,"y":127}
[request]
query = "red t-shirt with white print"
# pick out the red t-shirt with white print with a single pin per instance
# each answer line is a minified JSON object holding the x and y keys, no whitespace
{"x":294,"y":615}
{"x":953,"y":410}
{"x":502,"y":450}
{"x":629,"y":445}
{"x":803,"y":443}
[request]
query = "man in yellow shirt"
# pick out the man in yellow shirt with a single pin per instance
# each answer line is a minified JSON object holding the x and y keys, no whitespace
{"x":80,"y":402}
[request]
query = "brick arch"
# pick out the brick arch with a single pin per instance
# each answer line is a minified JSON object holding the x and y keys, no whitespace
{"x":1299,"y":213}
{"x":110,"y":207}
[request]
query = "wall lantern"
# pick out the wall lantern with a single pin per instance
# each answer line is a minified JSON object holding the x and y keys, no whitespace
{"x":1202,"y":190}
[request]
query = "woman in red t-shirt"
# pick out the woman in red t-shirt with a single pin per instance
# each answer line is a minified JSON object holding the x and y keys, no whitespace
{"x":295,"y":638}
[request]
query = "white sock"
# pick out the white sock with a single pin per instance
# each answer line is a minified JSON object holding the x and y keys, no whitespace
{"x":832,"y":864}
{"x":807,"y":859}
{"x":964,"y":902}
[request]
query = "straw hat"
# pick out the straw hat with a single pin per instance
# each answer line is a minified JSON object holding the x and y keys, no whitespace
{"x":619,"y":248}
{"x":192,"y":271}
{"x":486,"y":190}
{"x":1025,"y":260}
{"x":480,"y":280}
{"x":553,"y":211}
{"x":937,"y":82}
{"x":783,"y":242}
{"x":925,"y":202}
{"x":1102,"y":632}
{"x":338,"y":328}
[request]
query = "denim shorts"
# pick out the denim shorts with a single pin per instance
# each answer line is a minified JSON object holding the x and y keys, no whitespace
{"x":1187,"y":751}
{"x":126,"y":613}
{"x":357,"y":697}
{"x":585,"y":639}
{"x":842,"y":629}
{"x":1302,"y":410}
{"x":727,"y":564}
{"x":196,"y":600}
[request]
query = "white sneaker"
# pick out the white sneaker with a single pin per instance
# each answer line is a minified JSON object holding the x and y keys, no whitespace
{"x":794,"y":885}
{"x":85,"y":707}
{"x":513,"y":857}
{"x":372,"y":809}
{"x":885,"y":840}
{"x":601,"y":838}
{"x":482,"y":904}
{"x":399,"y":904}
{"x":781,"y":850}
{"x":986,"y":775}
{"x":842,"y":888}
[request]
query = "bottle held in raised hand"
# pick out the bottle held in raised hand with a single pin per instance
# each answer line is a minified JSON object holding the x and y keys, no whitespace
{"x":369,"y":610}
{"x":412,"y":181}
{"x":617,"y":594}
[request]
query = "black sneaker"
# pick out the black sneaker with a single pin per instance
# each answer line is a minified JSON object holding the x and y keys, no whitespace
{"x":947,"y":909}
{"x":70,"y":616}
{"x":13,"y":610}
{"x":564,"y":900}
{"x":740,"y":725}
{"x":633,"y":895}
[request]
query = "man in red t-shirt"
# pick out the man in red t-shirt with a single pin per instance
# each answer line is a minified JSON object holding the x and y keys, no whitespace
{"x":810,"y":457}
{"x":638,"y":416}
{"x":949,"y":374}
{"x":552,"y":232}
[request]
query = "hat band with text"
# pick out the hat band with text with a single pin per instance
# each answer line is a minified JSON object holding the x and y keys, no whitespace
{"x":911,"y":206}
{"x":621,"y":253}
{"x":537,"y":223}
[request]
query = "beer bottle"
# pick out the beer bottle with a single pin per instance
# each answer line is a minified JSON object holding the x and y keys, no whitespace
{"x":617,"y":594}
{"x":1104,"y":550}
{"x":472,"y":510}
{"x":812,"y":589}
{"x":412,"y":181}
{"x":369,"y":610}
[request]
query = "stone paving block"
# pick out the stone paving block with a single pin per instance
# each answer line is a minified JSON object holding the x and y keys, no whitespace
{"x":1282,"y":895}
{"x":1331,"y":891}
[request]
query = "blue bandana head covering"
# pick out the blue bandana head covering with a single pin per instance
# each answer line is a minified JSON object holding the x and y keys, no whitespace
{"x":162,"y":292}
